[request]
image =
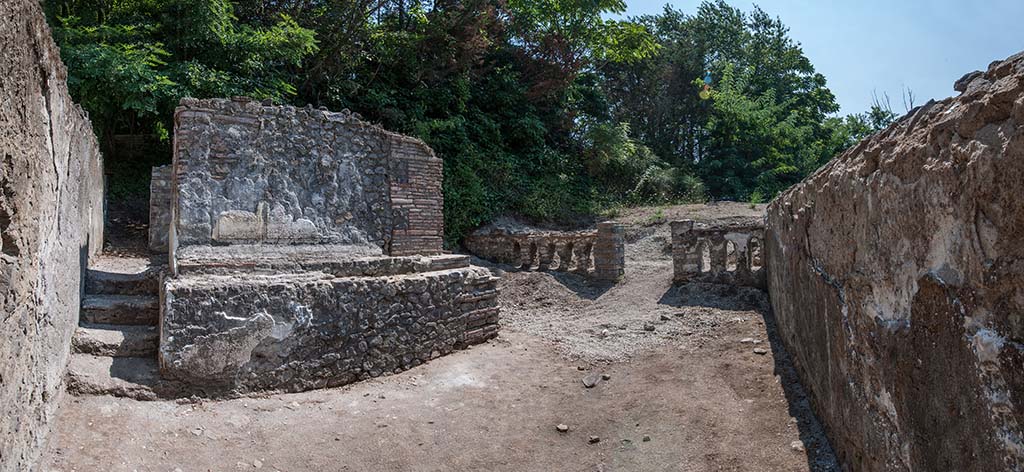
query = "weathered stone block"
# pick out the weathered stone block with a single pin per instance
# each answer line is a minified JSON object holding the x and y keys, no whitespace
{"x":159,"y":208}
{"x":335,"y":324}
{"x":897,"y":280}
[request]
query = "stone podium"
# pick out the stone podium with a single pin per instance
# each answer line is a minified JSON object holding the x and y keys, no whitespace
{"x":306,"y":251}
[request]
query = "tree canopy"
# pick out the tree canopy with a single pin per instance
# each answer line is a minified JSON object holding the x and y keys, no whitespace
{"x":546,"y":109}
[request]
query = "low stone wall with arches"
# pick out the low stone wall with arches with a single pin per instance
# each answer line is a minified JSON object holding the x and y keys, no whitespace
{"x":598,"y":253}
{"x":724,"y":252}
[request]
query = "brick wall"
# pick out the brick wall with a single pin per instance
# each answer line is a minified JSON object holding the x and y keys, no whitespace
{"x":417,"y":202}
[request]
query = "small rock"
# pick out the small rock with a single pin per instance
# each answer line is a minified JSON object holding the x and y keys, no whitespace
{"x":665,"y":318}
{"x":591,"y":380}
{"x":797,"y":446}
{"x":606,"y":376}
{"x":760,"y":351}
{"x":562,"y":428}
{"x":747,"y":341}
{"x":648,"y":327}
{"x":647,"y":439}
{"x":593,"y":440}
{"x":257,"y":464}
{"x":581,"y":368}
{"x":604,"y":333}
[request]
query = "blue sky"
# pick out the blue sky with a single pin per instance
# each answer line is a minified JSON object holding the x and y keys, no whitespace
{"x":868,"y":45}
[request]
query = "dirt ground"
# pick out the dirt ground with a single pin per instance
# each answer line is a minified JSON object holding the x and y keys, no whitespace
{"x":685,"y":392}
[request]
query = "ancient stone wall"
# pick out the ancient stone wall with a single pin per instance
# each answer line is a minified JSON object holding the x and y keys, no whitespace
{"x":724,"y":252}
{"x":51,"y":222}
{"x":600,"y":253}
{"x":246,"y":172}
{"x":159,"y":208}
{"x":897,"y":280}
{"x":307,"y":253}
{"x":340,"y":320}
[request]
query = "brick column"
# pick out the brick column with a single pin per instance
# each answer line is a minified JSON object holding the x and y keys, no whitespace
{"x":686,"y":256}
{"x":610,"y":251}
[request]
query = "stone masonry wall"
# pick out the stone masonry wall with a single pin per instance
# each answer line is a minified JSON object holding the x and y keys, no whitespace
{"x":337,"y":323}
{"x":159,"y":208}
{"x":721,"y":252}
{"x":896,"y":275}
{"x":600,"y":253}
{"x":246,"y":172}
{"x":51,"y":222}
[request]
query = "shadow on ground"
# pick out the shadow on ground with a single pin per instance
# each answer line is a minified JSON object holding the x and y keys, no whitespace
{"x":818,"y":449}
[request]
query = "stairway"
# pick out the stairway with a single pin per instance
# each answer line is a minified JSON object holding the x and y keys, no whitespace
{"x":114,"y":348}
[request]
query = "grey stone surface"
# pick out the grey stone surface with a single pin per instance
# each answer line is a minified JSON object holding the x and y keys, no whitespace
{"x":116,"y":340}
{"x":896,"y":275}
{"x":51,"y":222}
{"x":130,"y":377}
{"x":248,"y":173}
{"x":292,"y":331}
{"x":124,"y":276}
{"x":159,"y":208}
{"x":120,"y":309}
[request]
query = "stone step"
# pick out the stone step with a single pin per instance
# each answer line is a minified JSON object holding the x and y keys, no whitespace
{"x":129,"y":377}
{"x":116,"y":340}
{"x":124,"y":276}
{"x":121,"y":309}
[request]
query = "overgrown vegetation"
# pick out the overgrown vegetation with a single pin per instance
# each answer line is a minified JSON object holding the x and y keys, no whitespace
{"x":542,"y":108}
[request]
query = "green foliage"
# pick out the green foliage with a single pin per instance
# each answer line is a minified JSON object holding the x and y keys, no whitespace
{"x":544,"y":109}
{"x":130,"y":62}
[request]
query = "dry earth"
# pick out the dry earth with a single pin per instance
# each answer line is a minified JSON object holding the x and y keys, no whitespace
{"x":685,"y":392}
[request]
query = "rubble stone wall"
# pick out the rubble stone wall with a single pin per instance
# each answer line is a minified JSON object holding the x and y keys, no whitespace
{"x":336,"y":323}
{"x":722,"y":252}
{"x":159,"y":208}
{"x":246,"y":172}
{"x":897,"y":281}
{"x":51,"y":223}
{"x":600,"y":252}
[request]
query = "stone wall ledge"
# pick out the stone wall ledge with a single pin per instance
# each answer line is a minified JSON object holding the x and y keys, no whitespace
{"x":338,"y":260}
